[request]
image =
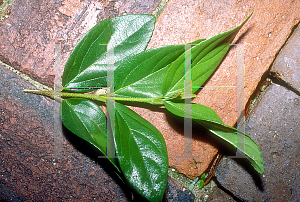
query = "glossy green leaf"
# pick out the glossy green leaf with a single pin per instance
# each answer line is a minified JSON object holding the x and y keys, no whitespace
{"x":87,"y":65}
{"x":203,"y":176}
{"x":152,"y":76}
{"x":142,"y":75}
{"x":210,"y":120}
{"x":86,"y":120}
{"x":144,"y":161}
{"x":205,"y":59}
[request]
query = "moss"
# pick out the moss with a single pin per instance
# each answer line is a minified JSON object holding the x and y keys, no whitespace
{"x":200,"y":194}
{"x":5,"y":7}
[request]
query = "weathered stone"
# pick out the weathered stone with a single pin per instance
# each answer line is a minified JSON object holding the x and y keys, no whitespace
{"x":219,"y":195}
{"x":275,"y":126}
{"x":287,"y":64}
{"x":175,"y":192}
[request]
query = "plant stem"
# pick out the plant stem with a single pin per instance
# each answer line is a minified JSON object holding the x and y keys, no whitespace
{"x":156,"y":100}
{"x":49,"y":93}
{"x":52,"y":94}
{"x":101,"y":98}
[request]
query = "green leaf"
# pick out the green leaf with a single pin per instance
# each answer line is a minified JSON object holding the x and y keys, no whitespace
{"x":197,"y":41}
{"x":206,"y":57}
{"x":203,"y":176}
{"x":144,"y":161}
{"x":142,"y":75}
{"x":86,"y":120}
{"x":210,"y":120}
{"x":201,"y":184}
{"x":87,"y":65}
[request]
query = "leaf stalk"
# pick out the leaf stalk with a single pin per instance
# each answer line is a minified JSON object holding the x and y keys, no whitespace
{"x":103,"y":97}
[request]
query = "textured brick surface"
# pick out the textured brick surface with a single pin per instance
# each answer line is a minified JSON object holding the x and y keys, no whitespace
{"x":219,"y":195}
{"x":274,"y":125}
{"x":32,"y":165}
{"x":175,"y":192}
{"x":287,"y":64}
{"x":28,"y":36}
{"x":264,"y":34}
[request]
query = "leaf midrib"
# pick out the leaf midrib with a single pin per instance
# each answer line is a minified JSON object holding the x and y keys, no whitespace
{"x":79,"y":70}
{"x":122,"y":86}
{"x":182,"y":56}
{"x":171,"y":90}
{"x":103,"y":53}
{"x":131,"y":134}
{"x":83,"y":123}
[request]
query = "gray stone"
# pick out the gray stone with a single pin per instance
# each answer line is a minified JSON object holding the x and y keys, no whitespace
{"x":275,"y":127}
{"x":219,"y":195}
{"x":287,"y":64}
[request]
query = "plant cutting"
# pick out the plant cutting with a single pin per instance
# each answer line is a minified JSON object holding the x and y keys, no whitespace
{"x":111,"y":58}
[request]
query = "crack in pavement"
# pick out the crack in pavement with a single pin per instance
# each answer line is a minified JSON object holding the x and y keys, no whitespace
{"x":278,"y":80}
{"x":159,"y":9}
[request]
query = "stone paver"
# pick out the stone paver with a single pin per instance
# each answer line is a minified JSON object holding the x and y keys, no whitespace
{"x":287,"y":64}
{"x":176,"y":192}
{"x":275,"y":126}
{"x":219,"y":195}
